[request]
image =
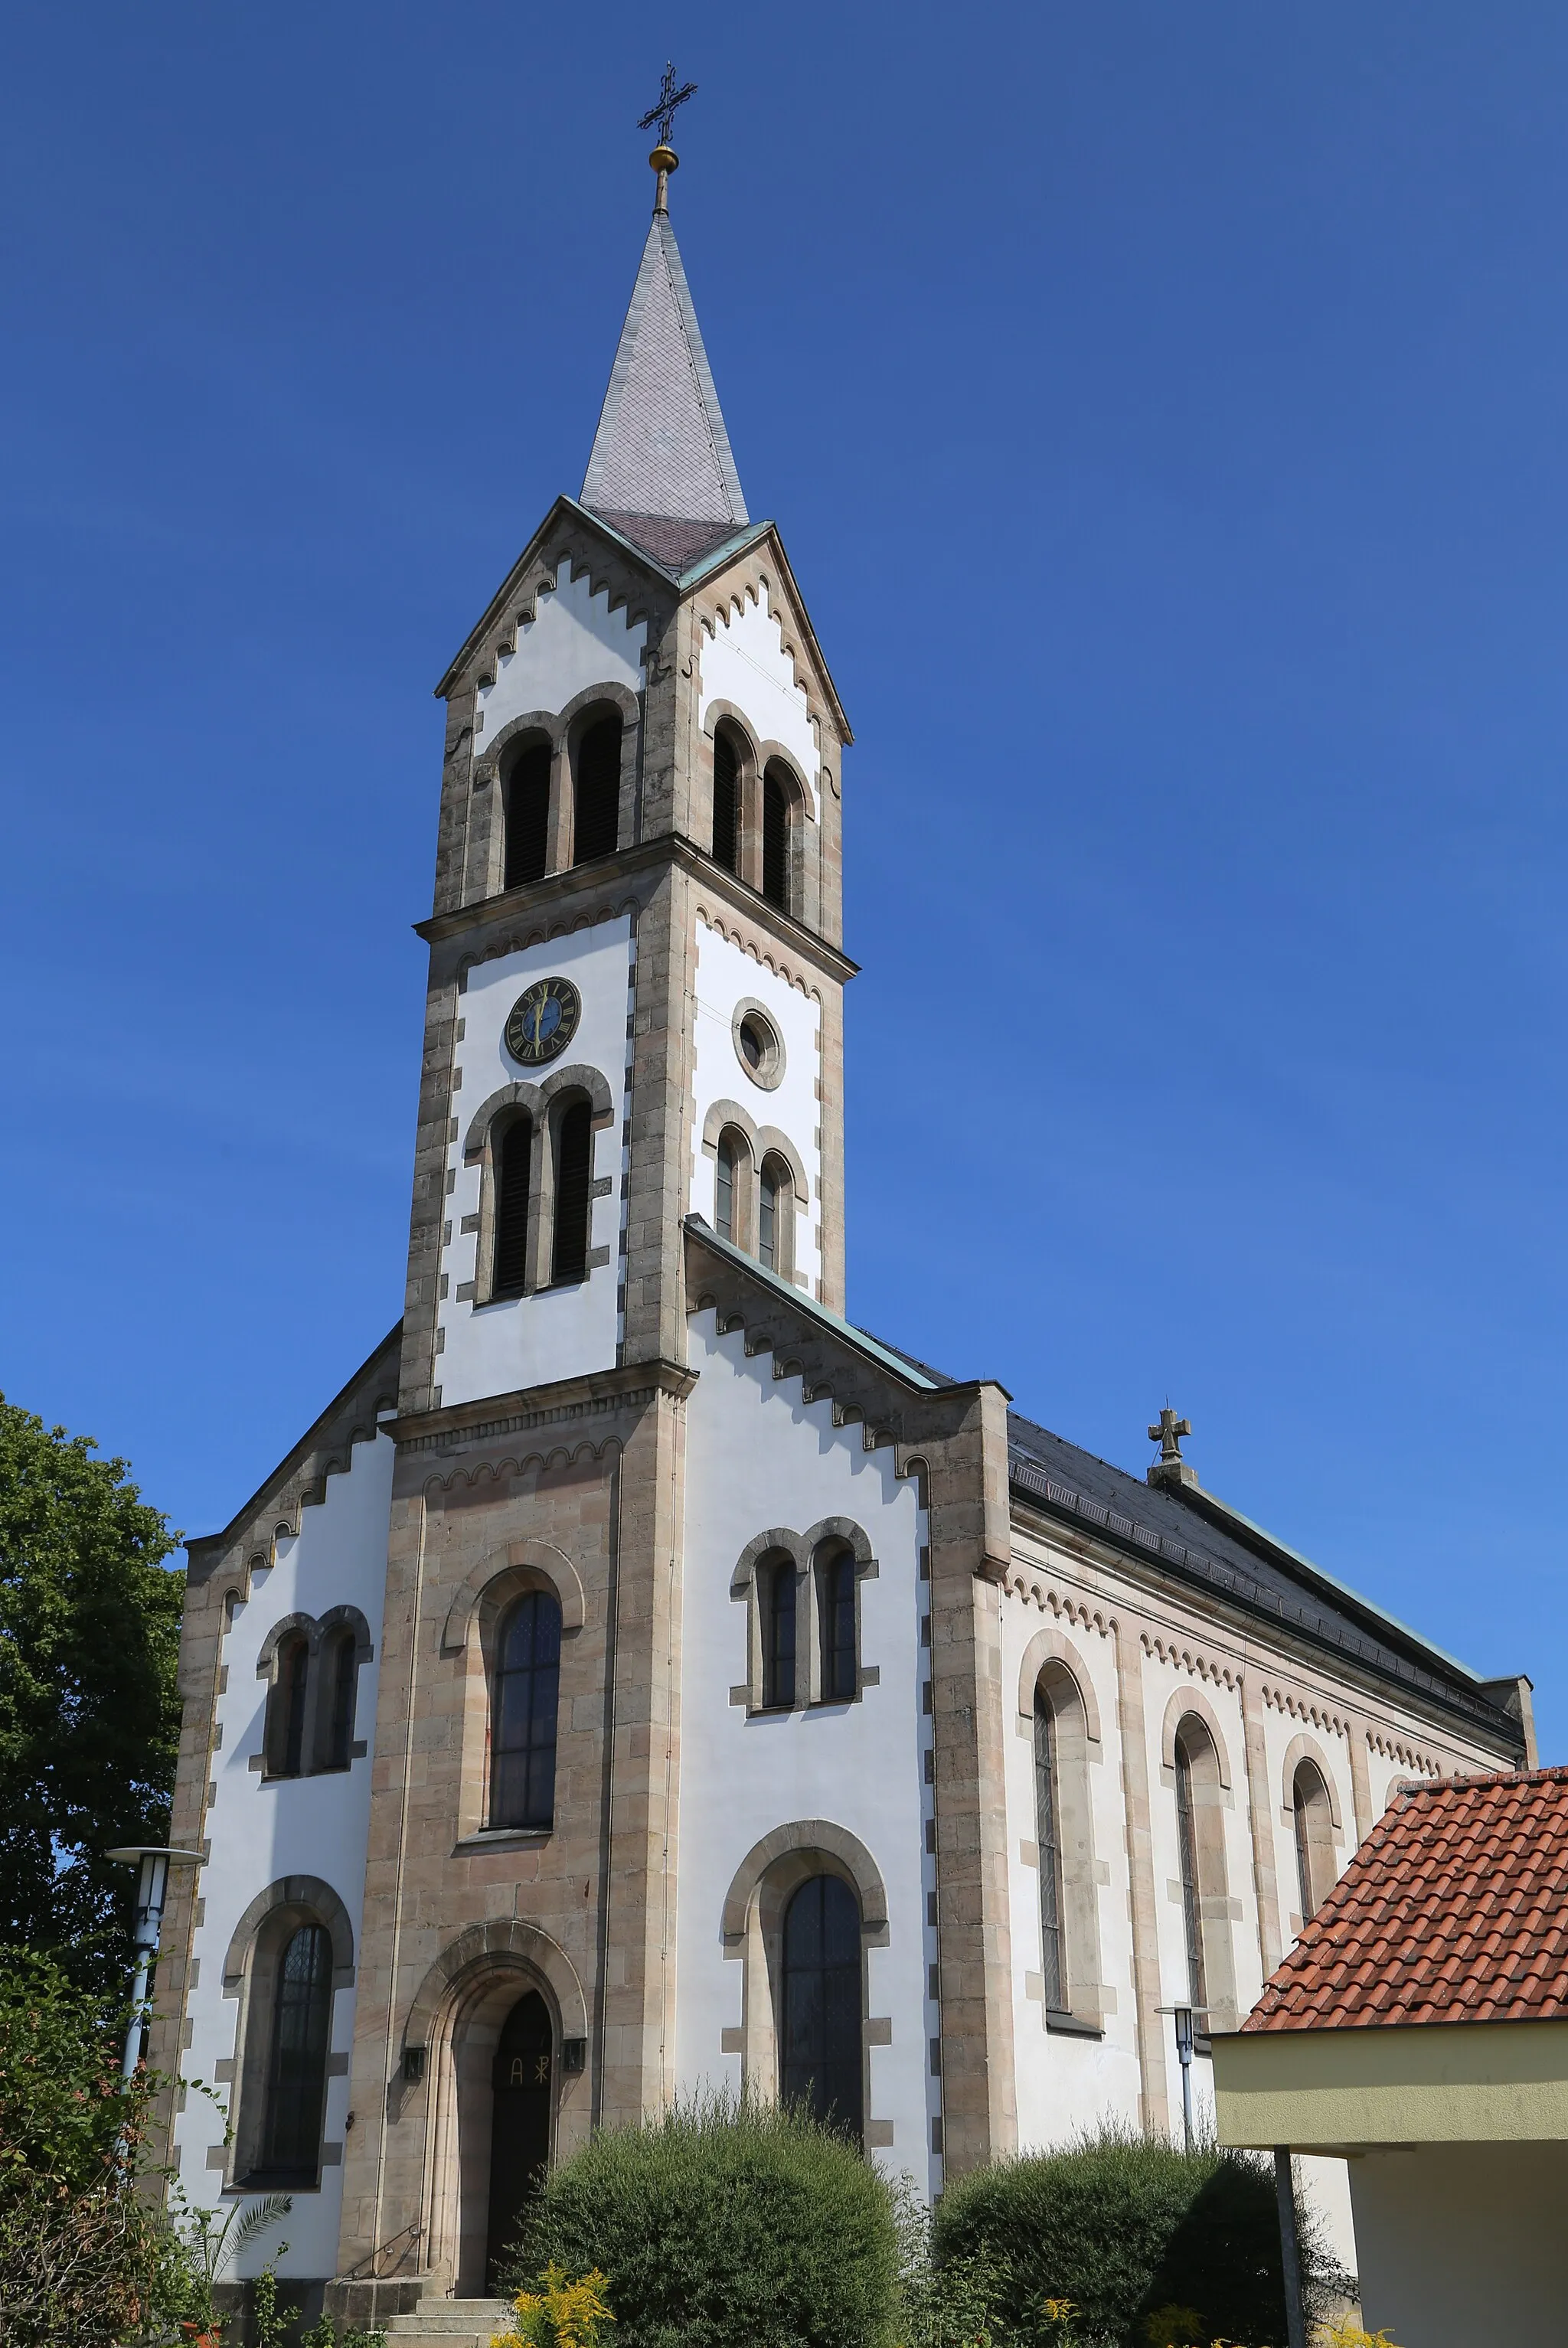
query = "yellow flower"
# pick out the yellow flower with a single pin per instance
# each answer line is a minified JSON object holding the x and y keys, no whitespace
{"x":563,"y":2315}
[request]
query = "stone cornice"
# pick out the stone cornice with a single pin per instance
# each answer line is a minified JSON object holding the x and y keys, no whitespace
{"x":629,"y":1387}
{"x":1058,"y":1513}
{"x":563,"y":894}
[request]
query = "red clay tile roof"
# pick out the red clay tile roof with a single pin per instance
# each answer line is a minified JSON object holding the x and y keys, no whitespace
{"x":1455,"y":1908}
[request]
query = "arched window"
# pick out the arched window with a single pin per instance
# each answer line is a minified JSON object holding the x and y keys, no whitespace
{"x":522,"y":1713}
{"x":836,"y":1620}
{"x":779,"y":1591}
{"x":290,"y":2150}
{"x":732,"y":1172}
{"x":574,"y":1182}
{"x":1313,"y":1838}
{"x":528,"y":816}
{"x":775,"y":797}
{"x":725,"y":800}
{"x":344,"y":1665}
{"x":1049,"y":1837}
{"x":513,"y":1181}
{"x":776,"y":1218}
{"x":596,"y":807}
{"x":820,"y":2066}
{"x":1192,"y":1882}
{"x":286,"y":1707}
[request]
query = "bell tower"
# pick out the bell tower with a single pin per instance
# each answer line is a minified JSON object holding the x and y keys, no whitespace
{"x":634,"y":1002}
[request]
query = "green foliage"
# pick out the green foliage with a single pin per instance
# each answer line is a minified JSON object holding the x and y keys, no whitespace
{"x":82,"y":2256}
{"x":1122,"y":2225}
{"x":724,"y":2225}
{"x":324,"y":2334}
{"x":89,"y":1716}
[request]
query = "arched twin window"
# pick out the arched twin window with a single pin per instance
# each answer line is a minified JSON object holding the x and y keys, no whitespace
{"x":525,"y":1688}
{"x":754,"y":821}
{"x":1314,"y":1820}
{"x":311,"y":1700}
{"x":790,"y":1674}
{"x":754,"y":1208}
{"x":545,"y":1169}
{"x":822,"y":2064}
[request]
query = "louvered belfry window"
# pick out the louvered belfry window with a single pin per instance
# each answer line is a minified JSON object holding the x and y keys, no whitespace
{"x":574,"y":1170}
{"x":726,"y":801}
{"x":597,"y":803}
{"x":775,"y":840}
{"x":528,"y":817}
{"x":513,"y":1174}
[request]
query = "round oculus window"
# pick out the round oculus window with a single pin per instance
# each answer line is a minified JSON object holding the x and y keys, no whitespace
{"x":757,"y":1048}
{"x":544,"y":1021}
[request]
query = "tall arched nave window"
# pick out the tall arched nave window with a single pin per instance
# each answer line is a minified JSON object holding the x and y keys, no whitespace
{"x":821,"y":2034}
{"x":1313,"y":1838}
{"x":1206,"y":1904}
{"x":524,"y":1701}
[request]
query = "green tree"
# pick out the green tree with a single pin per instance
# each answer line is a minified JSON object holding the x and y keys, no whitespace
{"x":89,"y":1716}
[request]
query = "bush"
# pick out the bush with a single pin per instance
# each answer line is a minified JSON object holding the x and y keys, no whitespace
{"x":722,"y":2225}
{"x":82,"y":2256}
{"x":1122,"y":2225}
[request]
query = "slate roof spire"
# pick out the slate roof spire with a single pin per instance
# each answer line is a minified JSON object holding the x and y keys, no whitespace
{"x":661,"y":469}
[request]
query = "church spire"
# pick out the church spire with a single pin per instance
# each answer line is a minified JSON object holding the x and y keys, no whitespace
{"x":661,"y":469}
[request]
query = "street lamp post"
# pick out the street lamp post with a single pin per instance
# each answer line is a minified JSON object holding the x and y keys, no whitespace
{"x":1184,"y":2017}
{"x":153,"y":1862}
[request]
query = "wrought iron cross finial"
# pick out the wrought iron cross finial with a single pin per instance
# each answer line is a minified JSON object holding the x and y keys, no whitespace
{"x":1168,"y":1434}
{"x":669,"y":99}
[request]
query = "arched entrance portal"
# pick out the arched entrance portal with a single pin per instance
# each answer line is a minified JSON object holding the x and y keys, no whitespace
{"x":522,"y":2082}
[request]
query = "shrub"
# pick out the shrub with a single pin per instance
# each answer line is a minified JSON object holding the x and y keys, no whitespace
{"x":1124,"y":2225}
{"x":722,"y":2225}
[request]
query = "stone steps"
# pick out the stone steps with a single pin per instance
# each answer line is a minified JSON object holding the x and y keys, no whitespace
{"x":450,"y":2323}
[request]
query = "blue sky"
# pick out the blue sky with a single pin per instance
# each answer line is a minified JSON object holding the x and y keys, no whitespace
{"x":1164,"y":409}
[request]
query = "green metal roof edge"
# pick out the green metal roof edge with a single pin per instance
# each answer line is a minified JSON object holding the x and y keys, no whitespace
{"x":703,"y":1229}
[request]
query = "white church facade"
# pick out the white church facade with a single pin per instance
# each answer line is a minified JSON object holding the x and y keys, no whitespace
{"x":639,"y":1677}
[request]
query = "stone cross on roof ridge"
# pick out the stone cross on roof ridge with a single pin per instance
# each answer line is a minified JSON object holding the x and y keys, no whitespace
{"x":661,"y":449}
{"x":1171,"y":1468}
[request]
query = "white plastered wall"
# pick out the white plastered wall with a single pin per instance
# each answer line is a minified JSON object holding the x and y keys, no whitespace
{"x":559,"y":1332}
{"x":744,"y":663}
{"x":259,"y":1833}
{"x":574,"y":642}
{"x":727,"y":975}
{"x":1463,"y":2243}
{"x":1066,"y":2083}
{"x":758,"y":1457}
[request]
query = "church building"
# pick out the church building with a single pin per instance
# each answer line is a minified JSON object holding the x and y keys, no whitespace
{"x":640,"y":1678}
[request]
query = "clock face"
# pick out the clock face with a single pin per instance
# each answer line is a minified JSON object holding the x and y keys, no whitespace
{"x":544,"y":1021}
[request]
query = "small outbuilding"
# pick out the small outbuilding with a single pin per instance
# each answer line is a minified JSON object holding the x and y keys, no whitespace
{"x":1419,"y":2030}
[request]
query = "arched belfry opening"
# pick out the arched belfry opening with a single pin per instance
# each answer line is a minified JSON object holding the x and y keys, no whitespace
{"x":522,"y":2090}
